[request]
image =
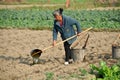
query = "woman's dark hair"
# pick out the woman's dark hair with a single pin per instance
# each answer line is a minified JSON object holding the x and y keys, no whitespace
{"x":58,"y":12}
{"x":61,"y":10}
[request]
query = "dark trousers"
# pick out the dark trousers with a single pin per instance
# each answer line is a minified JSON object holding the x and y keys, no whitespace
{"x":68,"y":53}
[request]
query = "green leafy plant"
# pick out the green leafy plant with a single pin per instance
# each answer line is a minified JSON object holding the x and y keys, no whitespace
{"x":49,"y":75}
{"x":83,"y":71}
{"x":105,"y":72}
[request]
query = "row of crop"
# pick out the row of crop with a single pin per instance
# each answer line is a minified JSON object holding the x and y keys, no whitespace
{"x":98,"y":19}
{"x":37,"y":18}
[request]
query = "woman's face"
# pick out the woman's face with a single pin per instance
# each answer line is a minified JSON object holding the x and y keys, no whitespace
{"x":58,"y":17}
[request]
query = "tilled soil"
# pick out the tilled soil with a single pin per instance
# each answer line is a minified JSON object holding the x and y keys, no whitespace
{"x":16,"y":61}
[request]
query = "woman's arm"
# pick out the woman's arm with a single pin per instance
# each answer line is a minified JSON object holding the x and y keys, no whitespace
{"x":76,"y":23}
{"x":55,"y":32}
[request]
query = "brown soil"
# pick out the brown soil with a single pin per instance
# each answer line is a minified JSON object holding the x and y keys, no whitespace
{"x":16,"y":61}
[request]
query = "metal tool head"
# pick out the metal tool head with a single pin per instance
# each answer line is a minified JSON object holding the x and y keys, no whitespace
{"x":36,"y":53}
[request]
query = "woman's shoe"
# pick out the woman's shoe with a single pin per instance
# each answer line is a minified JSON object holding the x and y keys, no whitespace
{"x":66,"y":63}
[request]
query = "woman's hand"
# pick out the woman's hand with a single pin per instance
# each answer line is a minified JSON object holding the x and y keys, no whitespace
{"x":54,"y":42}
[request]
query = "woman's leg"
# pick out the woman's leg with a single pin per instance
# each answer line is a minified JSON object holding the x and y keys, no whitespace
{"x":68,"y":53}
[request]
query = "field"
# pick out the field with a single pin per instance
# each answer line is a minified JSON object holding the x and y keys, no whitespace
{"x":16,"y":61}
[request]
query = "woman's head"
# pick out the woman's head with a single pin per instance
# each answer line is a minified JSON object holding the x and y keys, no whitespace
{"x":58,"y":14}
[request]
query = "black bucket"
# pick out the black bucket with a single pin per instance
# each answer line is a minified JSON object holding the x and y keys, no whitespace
{"x":115,"y":51}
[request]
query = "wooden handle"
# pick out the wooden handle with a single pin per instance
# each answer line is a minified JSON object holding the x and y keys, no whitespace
{"x":47,"y":48}
{"x":60,"y":42}
{"x":67,"y":39}
{"x":74,"y":44}
{"x":86,"y":42}
{"x":116,"y":39}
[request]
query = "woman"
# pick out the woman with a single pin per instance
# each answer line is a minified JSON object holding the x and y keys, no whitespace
{"x":64,"y":25}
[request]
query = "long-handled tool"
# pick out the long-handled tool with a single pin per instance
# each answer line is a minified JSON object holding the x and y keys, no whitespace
{"x":86,"y":42}
{"x":74,"y":44}
{"x":37,"y":52}
{"x":114,"y":43}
